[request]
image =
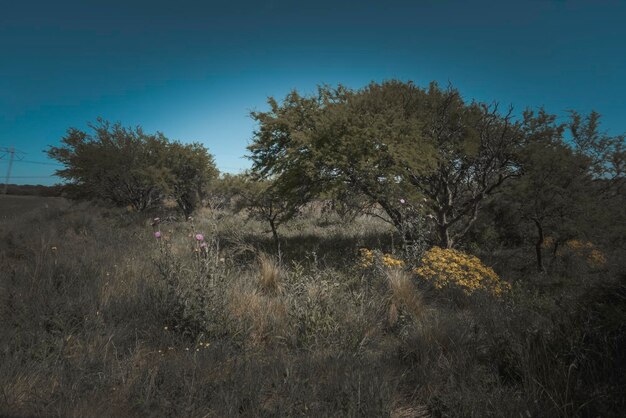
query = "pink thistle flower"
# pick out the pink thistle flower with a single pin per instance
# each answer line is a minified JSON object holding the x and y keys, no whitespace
{"x":157,"y":234}
{"x":199,"y":237}
{"x":204,"y":245}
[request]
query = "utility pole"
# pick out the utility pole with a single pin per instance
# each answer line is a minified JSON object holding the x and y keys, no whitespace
{"x":6,"y":181}
{"x":10,"y":151}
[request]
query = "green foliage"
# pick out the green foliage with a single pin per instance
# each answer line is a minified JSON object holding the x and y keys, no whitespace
{"x":394,"y":143}
{"x":569,"y":187}
{"x":264,"y":200}
{"x":189,"y":171}
{"x":131,"y":168}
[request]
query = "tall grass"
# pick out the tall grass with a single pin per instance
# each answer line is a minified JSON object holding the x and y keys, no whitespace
{"x":100,"y":318}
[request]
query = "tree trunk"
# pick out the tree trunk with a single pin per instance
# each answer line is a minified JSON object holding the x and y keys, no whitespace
{"x":443,"y":230}
{"x":274,"y":233}
{"x":538,"y":245}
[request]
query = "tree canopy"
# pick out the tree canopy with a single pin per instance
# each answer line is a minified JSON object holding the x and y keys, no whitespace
{"x":398,"y":144}
{"x":129,"y":167}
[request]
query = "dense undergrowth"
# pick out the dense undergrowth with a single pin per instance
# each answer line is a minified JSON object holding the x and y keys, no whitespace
{"x":98,"y":317}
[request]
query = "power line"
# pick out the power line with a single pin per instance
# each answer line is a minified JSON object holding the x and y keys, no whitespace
{"x":37,"y":162}
{"x":16,"y":150}
{"x":41,"y":163}
{"x":32,"y":177}
{"x":12,"y":154}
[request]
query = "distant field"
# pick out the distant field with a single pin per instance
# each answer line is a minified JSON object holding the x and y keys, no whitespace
{"x":13,"y":206}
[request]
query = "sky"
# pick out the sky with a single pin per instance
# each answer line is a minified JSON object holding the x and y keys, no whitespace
{"x":194,"y":70}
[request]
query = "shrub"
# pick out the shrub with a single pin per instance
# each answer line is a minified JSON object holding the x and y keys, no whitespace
{"x":375,"y":258}
{"x":452,"y":268}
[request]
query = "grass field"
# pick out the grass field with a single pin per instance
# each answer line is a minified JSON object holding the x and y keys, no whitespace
{"x":98,"y":317}
{"x":12,"y":206}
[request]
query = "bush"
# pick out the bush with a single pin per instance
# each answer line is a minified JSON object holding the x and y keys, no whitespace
{"x":451,"y":268}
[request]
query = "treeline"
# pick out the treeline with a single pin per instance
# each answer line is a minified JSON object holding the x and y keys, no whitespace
{"x":34,"y":190}
{"x":128,"y":167}
{"x":440,"y":169}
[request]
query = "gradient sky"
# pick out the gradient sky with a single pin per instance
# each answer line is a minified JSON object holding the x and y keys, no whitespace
{"x":195,"y":69}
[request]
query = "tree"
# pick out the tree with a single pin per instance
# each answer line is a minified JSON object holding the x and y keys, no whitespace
{"x":553,"y":194}
{"x":606,"y":153}
{"x":129,"y":167}
{"x":190,"y":170}
{"x":395,"y":143}
{"x":606,"y":156}
{"x":570,"y":185}
{"x":264,"y":201}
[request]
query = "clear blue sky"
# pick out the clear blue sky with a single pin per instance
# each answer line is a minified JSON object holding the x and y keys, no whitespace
{"x":194,"y":69}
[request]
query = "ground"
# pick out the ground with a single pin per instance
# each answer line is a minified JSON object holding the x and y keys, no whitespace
{"x":98,"y":317}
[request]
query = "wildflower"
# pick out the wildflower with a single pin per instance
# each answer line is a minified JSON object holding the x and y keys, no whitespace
{"x":402,"y":201}
{"x":199,"y":237}
{"x":583,"y":250}
{"x":547,"y":242}
{"x":390,"y":261}
{"x":452,"y":268}
{"x":165,"y":328}
{"x":157,"y":234}
{"x":596,"y":258}
{"x":369,"y":258}
{"x":204,"y":245}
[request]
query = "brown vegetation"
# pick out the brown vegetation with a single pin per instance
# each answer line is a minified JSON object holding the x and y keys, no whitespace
{"x":98,"y":317}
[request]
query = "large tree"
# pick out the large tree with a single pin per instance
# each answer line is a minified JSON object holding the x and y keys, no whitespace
{"x":131,"y":168}
{"x":189,"y":171}
{"x":399,"y":145}
{"x":570,"y":187}
{"x":554,"y":193}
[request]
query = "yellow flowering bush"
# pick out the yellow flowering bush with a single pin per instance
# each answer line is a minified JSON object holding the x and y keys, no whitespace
{"x":370,"y":258}
{"x":366,"y":258}
{"x":548,"y":242}
{"x":452,"y":268}
{"x":390,"y":261}
{"x":596,"y":258}
{"x":584,"y":250}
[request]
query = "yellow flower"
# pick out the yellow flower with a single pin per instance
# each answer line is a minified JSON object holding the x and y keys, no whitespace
{"x":585,"y":250}
{"x":448,"y":267}
{"x":368,"y":258}
{"x":596,"y":258}
{"x":547,"y":242}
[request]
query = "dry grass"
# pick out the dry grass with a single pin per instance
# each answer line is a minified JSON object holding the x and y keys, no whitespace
{"x":404,"y":294}
{"x":270,"y":273}
{"x":115,"y":323}
{"x":261,"y":317}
